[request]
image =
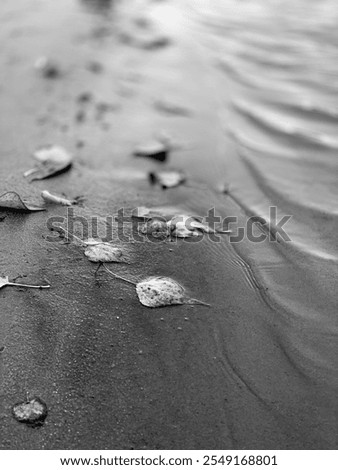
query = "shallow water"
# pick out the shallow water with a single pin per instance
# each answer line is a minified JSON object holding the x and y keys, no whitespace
{"x":276,"y":69}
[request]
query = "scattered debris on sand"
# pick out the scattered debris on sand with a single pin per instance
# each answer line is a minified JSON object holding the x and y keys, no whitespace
{"x":167,"y":222}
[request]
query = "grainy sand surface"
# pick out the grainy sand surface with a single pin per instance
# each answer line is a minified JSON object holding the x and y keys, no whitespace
{"x":258,"y":369}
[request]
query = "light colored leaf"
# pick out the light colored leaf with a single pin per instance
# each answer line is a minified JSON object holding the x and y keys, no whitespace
{"x":184,"y":226}
{"x":180,"y":229}
{"x":12,"y":201}
{"x":52,"y":198}
{"x":156,"y":150}
{"x":180,"y":226}
{"x":105,"y":253}
{"x":52,"y":160}
{"x":167,"y":178}
{"x":32,"y":412}
{"x":156,"y":227}
{"x":159,"y":291}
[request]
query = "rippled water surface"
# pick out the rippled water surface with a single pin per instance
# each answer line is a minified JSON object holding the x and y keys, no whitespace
{"x":277,"y":76}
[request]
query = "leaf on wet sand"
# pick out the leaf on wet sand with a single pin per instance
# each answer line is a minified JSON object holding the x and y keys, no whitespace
{"x":159,"y":291}
{"x":99,"y":251}
{"x":157,"y":150}
{"x":185,"y":226}
{"x":4,"y":281}
{"x":156,"y":227}
{"x":12,"y":201}
{"x":52,"y":198}
{"x":103,"y":252}
{"x":52,"y":160}
{"x":31,"y":412}
{"x":167,"y":178}
{"x":180,"y":226}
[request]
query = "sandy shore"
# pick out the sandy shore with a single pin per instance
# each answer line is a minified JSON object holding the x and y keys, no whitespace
{"x":113,"y":373}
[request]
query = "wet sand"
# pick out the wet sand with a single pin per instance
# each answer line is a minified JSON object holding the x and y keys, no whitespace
{"x":246,"y":373}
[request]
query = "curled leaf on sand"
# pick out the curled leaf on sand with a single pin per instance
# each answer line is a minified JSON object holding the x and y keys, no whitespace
{"x":4,"y":281}
{"x":52,"y":160}
{"x":31,"y":412}
{"x":52,"y":198}
{"x":167,"y":178}
{"x":159,"y":291}
{"x":12,"y":201}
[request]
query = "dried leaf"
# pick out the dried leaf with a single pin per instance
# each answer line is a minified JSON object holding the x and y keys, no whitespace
{"x":156,"y":227}
{"x":53,"y":160}
{"x":180,"y":226}
{"x":159,"y":291}
{"x":167,"y":178}
{"x":185,"y":226}
{"x":4,"y":281}
{"x":157,"y":150}
{"x":32,"y":412}
{"x":98,"y":251}
{"x":52,"y":198}
{"x":12,"y":201}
